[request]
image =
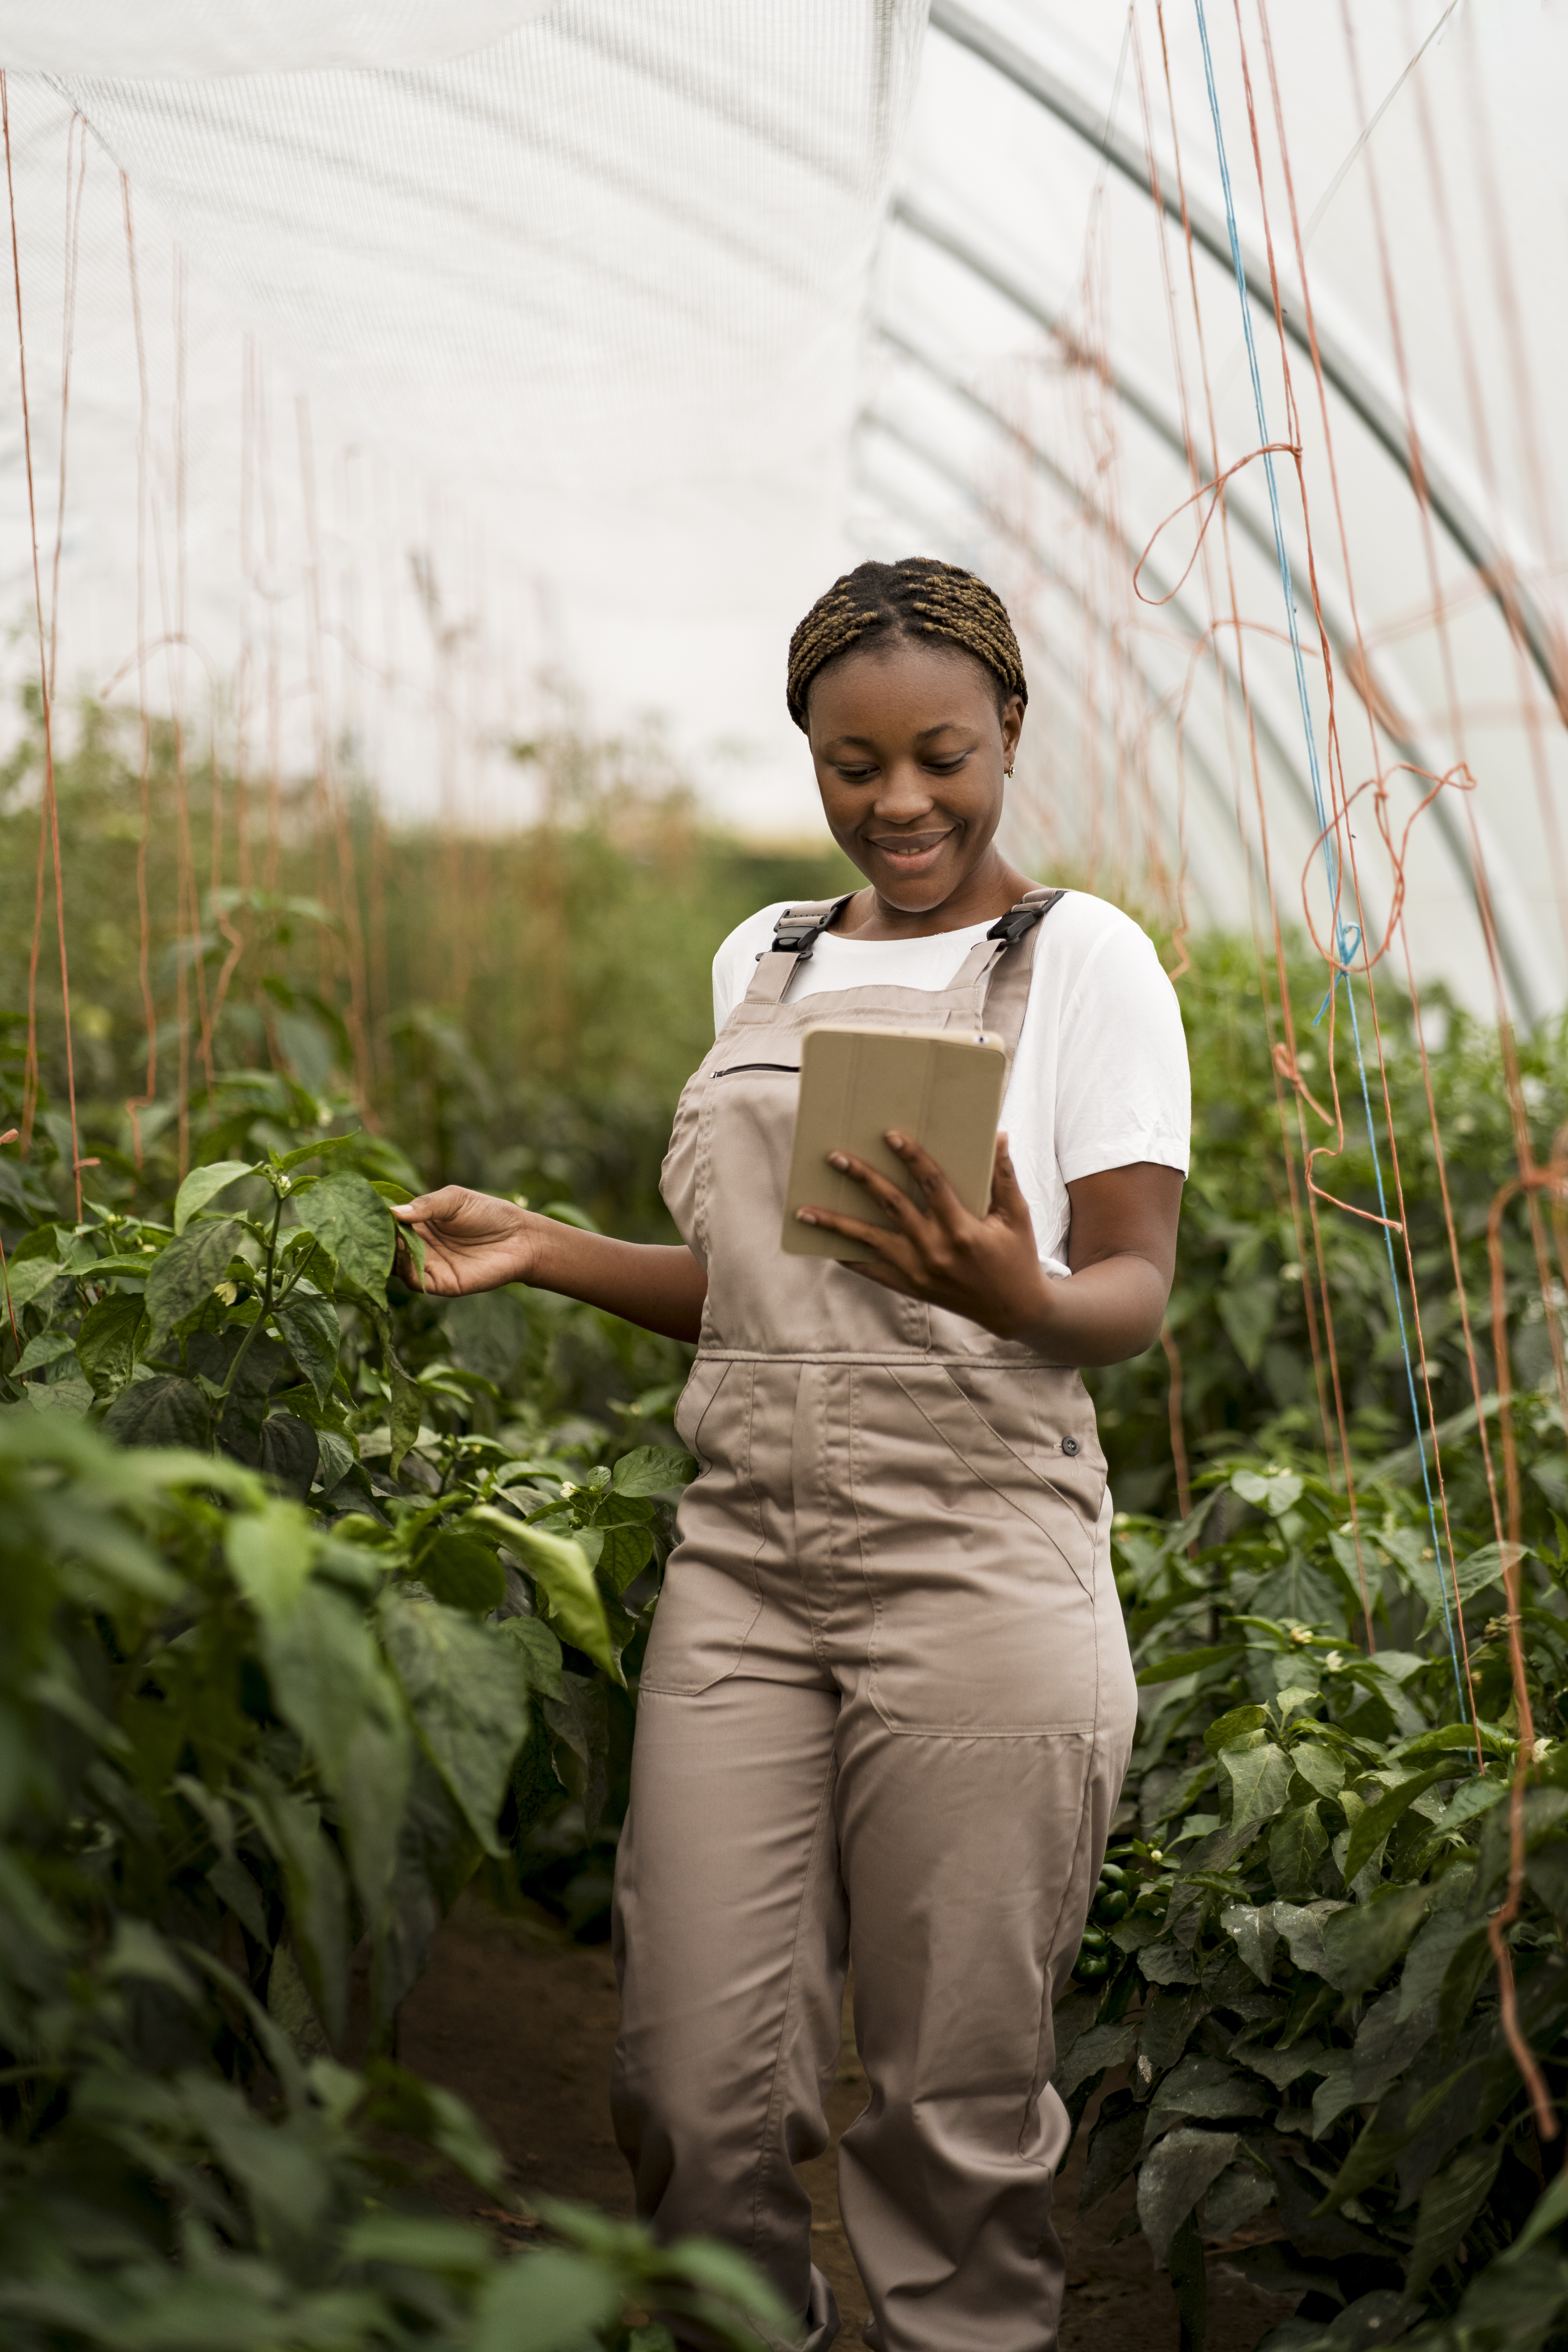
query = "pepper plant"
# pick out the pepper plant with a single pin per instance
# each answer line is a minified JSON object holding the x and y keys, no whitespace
{"x":1289,"y":1951}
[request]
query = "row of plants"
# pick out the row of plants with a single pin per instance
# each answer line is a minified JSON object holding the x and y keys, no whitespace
{"x":1289,"y":1955}
{"x":379,"y":1501}
{"x":312,"y":1609}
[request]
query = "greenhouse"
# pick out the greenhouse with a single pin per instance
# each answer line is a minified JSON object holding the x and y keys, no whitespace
{"x":423,"y":432}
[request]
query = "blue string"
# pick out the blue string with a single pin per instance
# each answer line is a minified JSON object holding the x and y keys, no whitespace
{"x":1347,"y":937}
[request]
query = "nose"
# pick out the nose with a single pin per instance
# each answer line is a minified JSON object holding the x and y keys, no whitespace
{"x":905,"y":795}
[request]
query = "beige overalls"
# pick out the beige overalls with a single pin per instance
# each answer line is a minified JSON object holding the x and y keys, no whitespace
{"x":884,"y":1719}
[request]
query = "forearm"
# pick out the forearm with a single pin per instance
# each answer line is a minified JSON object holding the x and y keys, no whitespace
{"x":661,"y":1287}
{"x":1101,"y":1314}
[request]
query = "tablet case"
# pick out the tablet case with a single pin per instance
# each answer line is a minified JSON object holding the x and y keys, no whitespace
{"x":943,"y":1090}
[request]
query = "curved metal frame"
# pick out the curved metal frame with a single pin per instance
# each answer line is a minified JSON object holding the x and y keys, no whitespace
{"x":1528,"y":974}
{"x":1354,"y":382}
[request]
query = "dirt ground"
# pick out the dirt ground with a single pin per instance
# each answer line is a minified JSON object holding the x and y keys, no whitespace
{"x":522,"y":2027}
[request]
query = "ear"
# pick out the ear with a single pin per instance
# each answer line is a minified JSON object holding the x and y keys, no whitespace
{"x":1012,"y":727}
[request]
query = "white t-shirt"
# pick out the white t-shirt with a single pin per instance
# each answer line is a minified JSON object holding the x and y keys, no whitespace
{"x":1101,"y":1076}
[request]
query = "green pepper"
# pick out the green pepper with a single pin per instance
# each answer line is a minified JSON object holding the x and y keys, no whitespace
{"x":1113,"y":1905}
{"x":1090,"y":1965}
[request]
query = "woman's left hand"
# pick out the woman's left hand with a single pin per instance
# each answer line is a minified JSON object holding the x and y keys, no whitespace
{"x":986,"y":1268}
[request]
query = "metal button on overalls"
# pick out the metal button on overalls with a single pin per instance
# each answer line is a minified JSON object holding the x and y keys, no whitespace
{"x":884,"y":1719}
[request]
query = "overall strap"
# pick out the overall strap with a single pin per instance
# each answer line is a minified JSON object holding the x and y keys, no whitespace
{"x":999,"y":968}
{"x":795,"y":933}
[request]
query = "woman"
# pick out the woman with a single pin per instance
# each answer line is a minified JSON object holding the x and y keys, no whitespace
{"x":888,"y":1703}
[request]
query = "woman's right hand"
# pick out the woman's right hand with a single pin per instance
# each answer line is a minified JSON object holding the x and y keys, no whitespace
{"x":472,"y":1242}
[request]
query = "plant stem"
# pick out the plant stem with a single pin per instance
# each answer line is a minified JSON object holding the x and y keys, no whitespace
{"x":266,"y":1308}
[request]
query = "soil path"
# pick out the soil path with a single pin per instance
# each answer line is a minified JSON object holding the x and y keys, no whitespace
{"x":522,"y":2028}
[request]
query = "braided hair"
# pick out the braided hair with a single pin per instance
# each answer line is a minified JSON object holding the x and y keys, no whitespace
{"x":877,"y":604}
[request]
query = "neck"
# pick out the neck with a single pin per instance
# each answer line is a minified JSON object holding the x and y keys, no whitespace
{"x":982,"y":897}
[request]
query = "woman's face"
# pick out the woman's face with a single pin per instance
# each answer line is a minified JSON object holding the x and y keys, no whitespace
{"x":910,"y":753}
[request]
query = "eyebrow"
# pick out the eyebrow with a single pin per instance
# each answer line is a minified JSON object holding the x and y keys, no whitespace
{"x":942,"y":726}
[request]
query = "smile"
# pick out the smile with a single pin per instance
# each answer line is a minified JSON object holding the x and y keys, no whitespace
{"x":911,"y":856}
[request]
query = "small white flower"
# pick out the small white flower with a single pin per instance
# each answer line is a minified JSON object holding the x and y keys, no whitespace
{"x":567,"y":1489}
{"x":1540,"y":1751}
{"x":1334,"y":1659}
{"x":228,"y":1292}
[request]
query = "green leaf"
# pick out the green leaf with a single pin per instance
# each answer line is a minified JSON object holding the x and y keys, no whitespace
{"x":186,"y":1274}
{"x":627,"y":1551}
{"x":1260,"y":1782}
{"x":1202,"y":2086}
{"x":405,"y":1410}
{"x":580,"y":1718}
{"x":452,"y":2248}
{"x":551,"y":2300}
{"x":1434,"y":1583}
{"x":1468,"y":1963}
{"x":289,"y":1451}
{"x":1470,"y":1800}
{"x":1277,"y":1492}
{"x":565,"y":1581}
{"x":291,"y":2005}
{"x":356,"y":1228}
{"x":1517,"y":2300}
{"x":229,"y":1878}
{"x":317,"y":1903}
{"x":328,"y":1148}
{"x":468,"y":1695}
{"x":1319,"y":1766}
{"x":205,"y":1184}
{"x":1235,"y":1725}
{"x":653,"y":1470}
{"x":401,"y":2102}
{"x":312,"y":1335}
{"x":461,"y":1572}
{"x":1189,"y":1661}
{"x":1092,"y":2052}
{"x":165,"y":1410}
{"x":1173,"y":2176}
{"x":540,"y":1654}
{"x":1370,"y":1828}
{"x":489,"y":1330}
{"x":22,"y":1283}
{"x":1253,"y":1931}
{"x":1303,"y":1927}
{"x":49,"y":1347}
{"x":1449,"y":2203}
{"x":1450,"y":1735}
{"x":1362,"y":1943}
{"x":1243,"y":2190}
{"x":271,"y":1551}
{"x":330,"y":1683}
{"x":1247,"y":1311}
{"x":1549,"y":2214}
{"x":1298,"y":1844}
{"x":111,"y":1336}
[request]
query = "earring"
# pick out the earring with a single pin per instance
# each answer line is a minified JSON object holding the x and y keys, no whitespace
{"x":1006,"y":775}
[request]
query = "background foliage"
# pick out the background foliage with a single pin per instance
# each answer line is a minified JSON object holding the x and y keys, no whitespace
{"x":334,"y":1596}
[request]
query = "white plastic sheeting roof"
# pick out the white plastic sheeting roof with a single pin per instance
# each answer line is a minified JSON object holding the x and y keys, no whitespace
{"x":597,"y":337}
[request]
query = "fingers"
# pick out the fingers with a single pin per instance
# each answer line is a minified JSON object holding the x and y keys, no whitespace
{"x":431,"y":1207}
{"x":893,"y":1247}
{"x":883,"y":1190}
{"x":1007,"y":1200}
{"x":928,"y":1174}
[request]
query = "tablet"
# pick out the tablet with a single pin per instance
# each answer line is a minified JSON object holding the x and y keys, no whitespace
{"x":940,"y":1088}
